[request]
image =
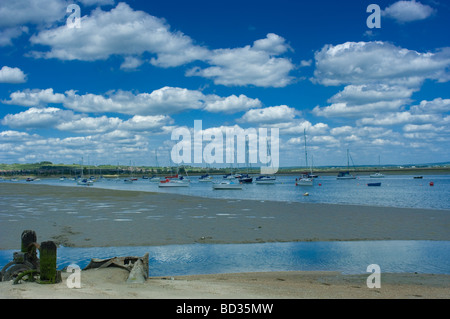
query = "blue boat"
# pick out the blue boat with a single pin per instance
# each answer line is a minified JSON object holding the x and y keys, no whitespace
{"x":245,"y":178}
{"x":374,"y":184}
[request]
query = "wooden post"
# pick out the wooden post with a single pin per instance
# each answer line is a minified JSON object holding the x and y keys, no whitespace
{"x":48,"y":262}
{"x":28,"y":237}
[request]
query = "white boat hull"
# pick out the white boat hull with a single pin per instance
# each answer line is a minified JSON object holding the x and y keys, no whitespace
{"x":174,"y":184}
{"x":265,"y":182}
{"x":346,"y":177}
{"x":305,"y":182}
{"x":227,"y":186}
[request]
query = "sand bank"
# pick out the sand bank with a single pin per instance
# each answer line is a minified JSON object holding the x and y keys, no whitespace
{"x":110,"y":283}
{"x":92,"y":217}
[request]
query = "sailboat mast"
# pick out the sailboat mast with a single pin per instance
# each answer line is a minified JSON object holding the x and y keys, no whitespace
{"x":306,"y":152}
{"x":348,"y":163}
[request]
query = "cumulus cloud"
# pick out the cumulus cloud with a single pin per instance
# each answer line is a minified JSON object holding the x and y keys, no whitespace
{"x":12,"y":75}
{"x":257,"y":65}
{"x":34,"y":97}
{"x":131,"y":33}
{"x":231,"y":104}
{"x":167,"y":100}
{"x":394,"y":118}
{"x":38,"y":118}
{"x":379,"y":78}
{"x":408,"y":11}
{"x":16,"y":16}
{"x":121,"y":31}
{"x":37,"y":12}
{"x":374,"y":62}
{"x":438,"y":105}
{"x":272,"y":114}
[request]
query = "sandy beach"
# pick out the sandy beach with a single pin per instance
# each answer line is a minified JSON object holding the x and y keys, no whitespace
{"x":90,"y":217}
{"x":110,"y":283}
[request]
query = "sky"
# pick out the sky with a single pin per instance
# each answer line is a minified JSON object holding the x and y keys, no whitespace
{"x":109,"y":81}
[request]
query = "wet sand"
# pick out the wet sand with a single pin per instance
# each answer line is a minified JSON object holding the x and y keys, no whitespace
{"x":92,"y":217}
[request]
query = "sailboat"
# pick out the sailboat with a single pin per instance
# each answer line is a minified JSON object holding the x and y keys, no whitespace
{"x":205,"y":178}
{"x":245,"y":178}
{"x":346,"y":174}
{"x":305,"y":179}
{"x":154,"y":178}
{"x":131,"y":179}
{"x":175,"y":181}
{"x":227,"y":184}
{"x":84,"y":181}
{"x":266,"y":179}
{"x":377,"y":174}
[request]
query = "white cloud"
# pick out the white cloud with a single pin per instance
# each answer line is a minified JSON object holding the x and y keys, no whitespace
{"x":131,"y":33}
{"x":395,"y":118}
{"x":438,"y":105}
{"x":378,"y":62}
{"x":371,"y":93}
{"x":37,"y":118}
{"x":12,"y":75}
{"x":131,"y":63}
{"x":167,"y":100}
{"x":250,"y":65}
{"x":345,"y":110}
{"x":230,"y":104}
{"x":15,"y":137}
{"x":90,"y":125}
{"x":272,"y":114}
{"x":120,"y":31}
{"x":37,"y":12}
{"x":422,"y":127}
{"x":16,"y":16}
{"x":408,"y":11}
{"x":148,"y":123}
{"x":34,"y":97}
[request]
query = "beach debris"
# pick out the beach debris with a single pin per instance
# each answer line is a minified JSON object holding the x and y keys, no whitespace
{"x":26,"y":265}
{"x":137,"y":266}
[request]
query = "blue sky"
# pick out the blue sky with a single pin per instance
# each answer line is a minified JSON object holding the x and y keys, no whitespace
{"x":113,"y":90}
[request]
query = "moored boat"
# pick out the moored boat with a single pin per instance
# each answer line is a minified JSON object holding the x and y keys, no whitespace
{"x":245,"y":178}
{"x":304,"y":180}
{"x":173,"y":183}
{"x":227,"y":185}
{"x":374,"y":184}
{"x":205,"y":178}
{"x":345,"y":175}
{"x":265,"y":179}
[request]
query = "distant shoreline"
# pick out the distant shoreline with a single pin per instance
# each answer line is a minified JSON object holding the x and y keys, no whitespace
{"x":296,"y":173}
{"x":57,"y":170}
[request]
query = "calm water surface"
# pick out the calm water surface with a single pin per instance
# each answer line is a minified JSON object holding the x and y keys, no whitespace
{"x":345,"y":257}
{"x":395,"y":190}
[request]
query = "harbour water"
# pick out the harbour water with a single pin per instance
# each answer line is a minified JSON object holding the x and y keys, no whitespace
{"x":351,"y":257}
{"x":395,"y":190}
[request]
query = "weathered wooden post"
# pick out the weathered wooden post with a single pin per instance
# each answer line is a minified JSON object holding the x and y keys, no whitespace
{"x":28,"y":237}
{"x":48,"y":262}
